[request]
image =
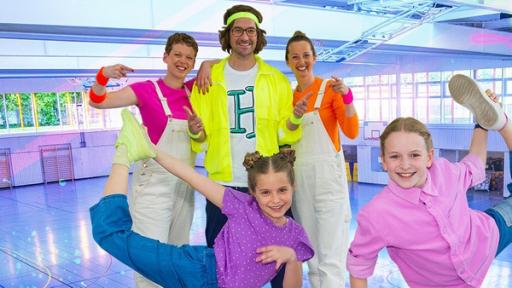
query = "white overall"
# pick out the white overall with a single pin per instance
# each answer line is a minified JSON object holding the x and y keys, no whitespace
{"x":162,"y":205}
{"x":321,"y":200}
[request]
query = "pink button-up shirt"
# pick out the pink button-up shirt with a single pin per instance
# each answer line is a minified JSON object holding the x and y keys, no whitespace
{"x":430,"y":233}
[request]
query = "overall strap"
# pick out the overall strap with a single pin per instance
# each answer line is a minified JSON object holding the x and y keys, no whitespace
{"x":320,"y":95}
{"x":168,"y":112}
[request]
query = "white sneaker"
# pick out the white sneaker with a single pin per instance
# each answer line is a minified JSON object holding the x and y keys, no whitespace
{"x":467,"y":93}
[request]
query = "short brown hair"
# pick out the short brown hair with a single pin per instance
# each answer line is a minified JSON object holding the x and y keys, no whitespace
{"x":406,"y":124}
{"x":299,"y":36}
{"x":181,"y":38}
{"x":224,"y":35}
{"x":255,"y":164}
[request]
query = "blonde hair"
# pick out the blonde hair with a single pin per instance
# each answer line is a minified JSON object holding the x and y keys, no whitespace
{"x":406,"y":124}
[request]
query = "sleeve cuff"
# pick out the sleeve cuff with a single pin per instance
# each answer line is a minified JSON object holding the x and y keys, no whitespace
{"x":360,"y":268}
{"x":475,"y":166}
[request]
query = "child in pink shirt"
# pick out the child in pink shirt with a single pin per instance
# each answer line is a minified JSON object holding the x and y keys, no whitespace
{"x":422,"y":216}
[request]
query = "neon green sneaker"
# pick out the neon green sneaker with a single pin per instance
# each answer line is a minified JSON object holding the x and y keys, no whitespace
{"x":134,"y":138}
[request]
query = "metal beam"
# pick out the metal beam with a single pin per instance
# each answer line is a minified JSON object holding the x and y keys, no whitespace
{"x":397,"y":25}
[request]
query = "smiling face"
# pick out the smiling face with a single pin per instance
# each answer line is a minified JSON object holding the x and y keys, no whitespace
{"x":180,"y":60}
{"x":407,"y":159}
{"x":273,"y":192}
{"x":300,"y":59}
{"x":244,"y":44}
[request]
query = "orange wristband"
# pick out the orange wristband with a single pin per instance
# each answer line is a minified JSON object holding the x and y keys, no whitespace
{"x":95,"y":98}
{"x":100,"y":78}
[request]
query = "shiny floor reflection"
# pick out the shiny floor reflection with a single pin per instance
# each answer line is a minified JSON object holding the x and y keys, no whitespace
{"x":46,"y":239}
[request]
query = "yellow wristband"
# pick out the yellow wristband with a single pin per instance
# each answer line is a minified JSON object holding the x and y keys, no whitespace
{"x":296,"y":121}
{"x":193,"y":136}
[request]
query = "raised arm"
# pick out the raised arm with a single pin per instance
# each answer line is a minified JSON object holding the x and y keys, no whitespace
{"x":338,"y":85}
{"x":133,"y":144}
{"x":195,"y":126}
{"x":344,"y":109}
{"x":298,"y":112}
{"x":203,"y":78}
{"x":478,"y":146}
{"x":210,"y":189}
{"x":120,"y":98}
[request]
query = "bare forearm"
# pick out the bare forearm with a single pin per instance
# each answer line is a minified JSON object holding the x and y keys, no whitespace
{"x":478,"y":145}
{"x":98,"y":89}
{"x":117,"y":182}
{"x":115,"y":99}
{"x":210,"y":189}
{"x":293,"y":275}
{"x":358,"y":282}
{"x":175,"y":166}
{"x":506,"y":133}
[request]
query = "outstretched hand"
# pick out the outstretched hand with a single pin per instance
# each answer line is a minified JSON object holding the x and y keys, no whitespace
{"x":195,"y":125}
{"x":338,"y":85}
{"x":301,"y":106}
{"x":279,"y":254}
{"x":117,"y":71}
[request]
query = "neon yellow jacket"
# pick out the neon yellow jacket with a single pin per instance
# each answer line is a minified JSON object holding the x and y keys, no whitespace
{"x":273,"y":107}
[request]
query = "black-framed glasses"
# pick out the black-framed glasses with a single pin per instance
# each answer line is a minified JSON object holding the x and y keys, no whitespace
{"x":238,"y":31}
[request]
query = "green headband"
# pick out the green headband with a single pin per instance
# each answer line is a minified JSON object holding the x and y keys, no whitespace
{"x":239,"y":15}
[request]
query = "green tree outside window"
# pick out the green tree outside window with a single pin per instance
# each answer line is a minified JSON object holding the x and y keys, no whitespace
{"x":19,"y":110}
{"x":47,"y":109}
{"x":3,"y":117}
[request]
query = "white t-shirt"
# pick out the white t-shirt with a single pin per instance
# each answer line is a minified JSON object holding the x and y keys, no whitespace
{"x":240,"y":87}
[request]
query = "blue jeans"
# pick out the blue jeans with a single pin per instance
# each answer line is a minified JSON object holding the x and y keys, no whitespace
{"x":167,"y":265}
{"x":502,"y":214}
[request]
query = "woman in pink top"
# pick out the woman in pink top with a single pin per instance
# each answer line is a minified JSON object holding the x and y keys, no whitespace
{"x":422,"y":216}
{"x":162,"y":205}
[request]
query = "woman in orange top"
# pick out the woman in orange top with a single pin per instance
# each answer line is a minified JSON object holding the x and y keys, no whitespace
{"x":321,"y":203}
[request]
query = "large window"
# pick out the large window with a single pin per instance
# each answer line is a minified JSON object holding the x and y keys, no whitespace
{"x":424,"y":95}
{"x":374,"y":96}
{"x":19,"y":112}
{"x":50,"y":111}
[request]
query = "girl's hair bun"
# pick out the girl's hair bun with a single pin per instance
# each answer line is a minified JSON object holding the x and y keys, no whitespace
{"x":251,"y":159}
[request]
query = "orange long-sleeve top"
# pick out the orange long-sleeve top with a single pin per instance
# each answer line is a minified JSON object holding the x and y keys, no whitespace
{"x":332,"y":111}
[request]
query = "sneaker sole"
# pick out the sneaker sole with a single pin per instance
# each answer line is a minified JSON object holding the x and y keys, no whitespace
{"x":129,"y":119}
{"x":467,"y":93}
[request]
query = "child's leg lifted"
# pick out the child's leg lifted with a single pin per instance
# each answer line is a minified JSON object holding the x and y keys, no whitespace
{"x":489,"y":115}
{"x":111,"y":224}
{"x":132,"y":145}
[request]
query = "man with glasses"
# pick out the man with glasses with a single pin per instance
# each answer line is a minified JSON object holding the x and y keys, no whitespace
{"x":246,"y":106}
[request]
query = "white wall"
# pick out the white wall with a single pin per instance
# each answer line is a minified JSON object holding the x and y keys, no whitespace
{"x":90,"y":161}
